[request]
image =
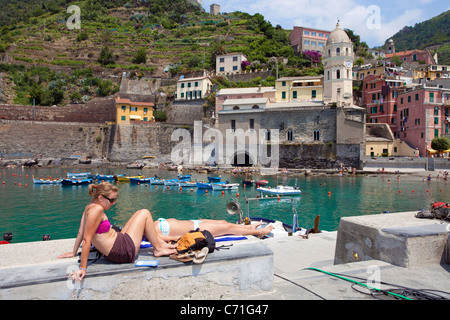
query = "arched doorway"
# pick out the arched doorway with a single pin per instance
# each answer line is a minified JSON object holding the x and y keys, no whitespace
{"x":242,"y":160}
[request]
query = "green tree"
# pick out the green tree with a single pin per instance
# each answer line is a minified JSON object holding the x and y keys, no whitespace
{"x":440,"y":144}
{"x":106,"y":56}
{"x":140,"y":56}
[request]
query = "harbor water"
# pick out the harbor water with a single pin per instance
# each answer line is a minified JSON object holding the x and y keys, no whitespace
{"x":30,"y":211}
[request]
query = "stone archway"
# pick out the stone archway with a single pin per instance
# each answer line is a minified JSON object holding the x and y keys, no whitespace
{"x":242,"y":159}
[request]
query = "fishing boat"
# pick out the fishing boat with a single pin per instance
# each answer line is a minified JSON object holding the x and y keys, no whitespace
{"x":170,"y":182}
{"x":188,"y":184}
{"x":75,"y":182}
{"x":205,"y":185}
{"x":46,"y":181}
{"x":184,"y":177}
{"x":134,"y":180}
{"x":156,"y":181}
{"x":261,"y":183}
{"x":247,"y":182}
{"x":79,"y":175}
{"x":105,"y":177}
{"x":225,"y":186}
{"x":214,"y":179}
{"x":280,"y":191}
{"x":125,"y":178}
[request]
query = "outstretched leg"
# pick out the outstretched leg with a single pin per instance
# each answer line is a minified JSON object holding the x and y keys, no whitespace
{"x":222,"y":227}
{"x":141,"y":223}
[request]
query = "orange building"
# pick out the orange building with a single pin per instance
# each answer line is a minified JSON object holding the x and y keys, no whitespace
{"x":133,"y":112}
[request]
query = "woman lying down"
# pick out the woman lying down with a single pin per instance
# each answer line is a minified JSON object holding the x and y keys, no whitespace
{"x":172,"y":229}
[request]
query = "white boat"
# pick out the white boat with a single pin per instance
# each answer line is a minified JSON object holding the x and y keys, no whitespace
{"x":190,"y":184}
{"x":280,"y":191}
{"x":46,"y":181}
{"x":225,"y":186}
{"x":79,"y":175}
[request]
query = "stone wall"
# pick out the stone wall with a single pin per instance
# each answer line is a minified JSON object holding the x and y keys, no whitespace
{"x":25,"y":139}
{"x":98,"y":110}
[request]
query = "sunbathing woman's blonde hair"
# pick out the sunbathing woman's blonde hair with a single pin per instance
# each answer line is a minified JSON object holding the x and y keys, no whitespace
{"x":102,"y":189}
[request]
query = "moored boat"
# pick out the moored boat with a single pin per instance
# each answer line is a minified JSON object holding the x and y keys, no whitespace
{"x":190,"y":184}
{"x":225,"y":186}
{"x":135,"y":180}
{"x":261,"y":183}
{"x":206,"y":185}
{"x":214,"y":179}
{"x":280,"y":191}
{"x":74,"y":182}
{"x":125,"y":178}
{"x":79,"y":175}
{"x":105,"y":177}
{"x":46,"y":181}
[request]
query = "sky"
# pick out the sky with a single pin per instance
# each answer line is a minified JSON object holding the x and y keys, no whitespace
{"x":373,"y":21}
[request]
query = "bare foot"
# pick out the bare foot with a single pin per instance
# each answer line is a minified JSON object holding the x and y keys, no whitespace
{"x":265,"y":231}
{"x":163,"y":252}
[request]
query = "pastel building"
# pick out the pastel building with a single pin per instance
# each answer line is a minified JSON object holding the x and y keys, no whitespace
{"x":133,"y":112}
{"x":193,"y":88}
{"x":303,"y":39}
{"x":413,"y":56}
{"x":424,"y":114}
{"x":289,"y":89}
{"x":230,"y":62}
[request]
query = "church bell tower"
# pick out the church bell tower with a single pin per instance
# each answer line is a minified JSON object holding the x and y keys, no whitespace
{"x":338,"y":63}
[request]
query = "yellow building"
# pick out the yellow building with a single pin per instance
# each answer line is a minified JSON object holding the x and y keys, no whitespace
{"x":133,"y":112}
{"x":290,"y":89}
{"x":432,"y":72}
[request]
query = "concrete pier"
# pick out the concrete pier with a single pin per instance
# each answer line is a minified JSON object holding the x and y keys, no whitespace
{"x":253,"y":269}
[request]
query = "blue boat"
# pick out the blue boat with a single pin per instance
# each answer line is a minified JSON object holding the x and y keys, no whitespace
{"x":187,"y":176}
{"x":156,"y":181}
{"x":205,"y":185}
{"x":214,"y":179}
{"x":105,"y":177}
{"x":76,"y":182}
{"x":79,"y":175}
{"x":140,"y":180}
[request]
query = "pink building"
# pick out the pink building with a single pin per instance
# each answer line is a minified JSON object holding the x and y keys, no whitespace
{"x":243,"y":93}
{"x":412,"y":56}
{"x":424,"y":114}
{"x":303,"y":39}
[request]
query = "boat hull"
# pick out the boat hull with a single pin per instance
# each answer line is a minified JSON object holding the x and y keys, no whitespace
{"x":280,"y":191}
{"x":225,"y":186}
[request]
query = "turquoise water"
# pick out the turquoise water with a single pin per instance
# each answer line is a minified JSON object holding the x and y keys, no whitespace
{"x":31,"y":211}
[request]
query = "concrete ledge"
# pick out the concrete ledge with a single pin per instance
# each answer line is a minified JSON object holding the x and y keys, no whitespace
{"x":245,"y":266}
{"x":398,"y":238}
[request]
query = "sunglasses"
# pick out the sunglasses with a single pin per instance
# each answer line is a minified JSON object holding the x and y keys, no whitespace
{"x":110,"y":200}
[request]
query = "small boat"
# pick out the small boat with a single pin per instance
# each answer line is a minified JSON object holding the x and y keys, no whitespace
{"x":156,"y":181}
{"x":247,"y":182}
{"x":84,"y":161}
{"x":188,"y":184}
{"x":105,"y":177}
{"x":214,"y":179}
{"x":135,"y":180}
{"x":280,"y":190}
{"x":75,"y":182}
{"x":171,"y":182}
{"x":225,"y":186}
{"x":125,"y":178}
{"x":79,"y":175}
{"x":205,"y":185}
{"x":184,"y":177}
{"x":46,"y":181}
{"x":261,"y":183}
